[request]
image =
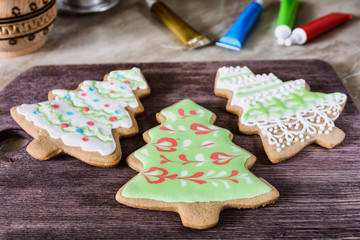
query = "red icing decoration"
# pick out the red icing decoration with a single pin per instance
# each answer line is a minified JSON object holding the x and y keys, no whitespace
{"x":163,"y":128}
{"x":201,"y":129}
{"x":55,"y":106}
{"x":217,"y":158}
{"x":127,"y":81}
{"x":164,"y":175}
{"x":112,"y":91}
{"x":161,"y":176}
{"x":233,"y":174}
{"x":165,"y":148}
{"x":192,"y":112}
{"x":183,"y":115}
{"x":64,"y":125}
{"x":165,"y":160}
{"x":222,"y":158}
{"x":85,"y":139}
{"x":112,"y":119}
{"x":83,"y":94}
{"x":182,"y":157}
{"x":207,"y":144}
{"x":181,"y":112}
{"x":85,"y":109}
{"x":106,"y":105}
{"x":90,"y":123}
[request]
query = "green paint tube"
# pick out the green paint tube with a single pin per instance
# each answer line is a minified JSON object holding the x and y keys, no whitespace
{"x":286,"y":19}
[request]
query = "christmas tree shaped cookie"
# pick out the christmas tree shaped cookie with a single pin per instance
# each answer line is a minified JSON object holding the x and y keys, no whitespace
{"x":287,"y":115}
{"x":192,"y":167}
{"x":85,"y":123}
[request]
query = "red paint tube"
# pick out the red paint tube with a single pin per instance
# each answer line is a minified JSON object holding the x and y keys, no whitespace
{"x":317,"y":27}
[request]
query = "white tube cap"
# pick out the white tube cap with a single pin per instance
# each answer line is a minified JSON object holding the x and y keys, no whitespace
{"x":298,"y":36}
{"x":281,"y":33}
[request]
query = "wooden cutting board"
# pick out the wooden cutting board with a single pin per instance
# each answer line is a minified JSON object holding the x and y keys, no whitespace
{"x":66,"y":198}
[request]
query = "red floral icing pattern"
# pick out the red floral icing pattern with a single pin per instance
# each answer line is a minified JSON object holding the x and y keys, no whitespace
{"x":162,"y":174}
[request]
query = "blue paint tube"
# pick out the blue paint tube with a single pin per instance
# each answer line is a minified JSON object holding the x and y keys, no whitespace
{"x":236,"y":35}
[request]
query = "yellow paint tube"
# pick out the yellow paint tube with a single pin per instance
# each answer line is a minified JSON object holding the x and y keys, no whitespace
{"x":188,"y":35}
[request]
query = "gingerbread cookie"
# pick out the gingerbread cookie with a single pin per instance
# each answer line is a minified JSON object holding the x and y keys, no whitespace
{"x":286,"y":115}
{"x":192,"y":167}
{"x":85,"y":123}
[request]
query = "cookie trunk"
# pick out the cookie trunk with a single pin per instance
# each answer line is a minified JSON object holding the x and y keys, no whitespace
{"x":335,"y":137}
{"x":199,"y":215}
{"x":43,"y":148}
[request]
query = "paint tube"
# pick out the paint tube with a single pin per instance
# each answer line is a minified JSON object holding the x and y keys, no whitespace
{"x":317,"y":27}
{"x":187,"y":35}
{"x":286,"y":19}
{"x":236,"y":35}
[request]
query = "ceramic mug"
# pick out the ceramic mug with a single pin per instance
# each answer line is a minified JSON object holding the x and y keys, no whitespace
{"x":24,"y":25}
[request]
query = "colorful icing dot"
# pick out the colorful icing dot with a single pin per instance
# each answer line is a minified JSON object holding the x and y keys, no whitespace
{"x":119,"y":76}
{"x":36,"y":112}
{"x":112,"y":91}
{"x":122,"y":87}
{"x":69,"y":113}
{"x":106,"y":105}
{"x":96,"y":100}
{"x":111,"y":83}
{"x":90,"y":123}
{"x":85,"y":139}
{"x":64,"y":125}
{"x":117,"y":111}
{"x":91,"y":88}
{"x":127,"y":82}
{"x":79,"y":130}
{"x":55,"y":106}
{"x":112,"y":119}
{"x":67,"y":97}
{"x":85,"y":109}
{"x":83,"y":94}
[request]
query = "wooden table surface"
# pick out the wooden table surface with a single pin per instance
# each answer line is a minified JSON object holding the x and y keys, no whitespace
{"x":66,"y":198}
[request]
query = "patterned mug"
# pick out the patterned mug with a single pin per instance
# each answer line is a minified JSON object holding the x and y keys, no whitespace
{"x":24,"y":25}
